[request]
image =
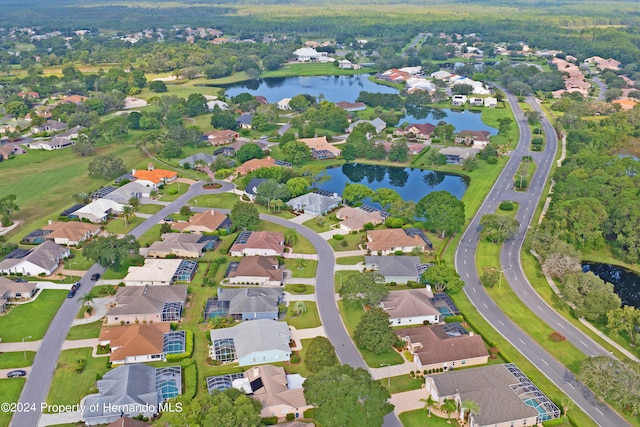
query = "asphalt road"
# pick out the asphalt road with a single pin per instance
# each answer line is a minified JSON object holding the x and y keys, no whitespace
{"x":602,"y":86}
{"x":513,"y":274}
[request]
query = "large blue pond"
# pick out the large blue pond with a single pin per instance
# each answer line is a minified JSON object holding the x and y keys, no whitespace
{"x":626,"y":283}
{"x":347,"y":88}
{"x":411,"y":184}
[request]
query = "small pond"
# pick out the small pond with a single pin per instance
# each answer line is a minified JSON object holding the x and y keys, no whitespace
{"x":411,"y":184}
{"x":626,"y":283}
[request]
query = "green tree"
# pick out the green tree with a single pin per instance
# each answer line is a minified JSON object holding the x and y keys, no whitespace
{"x":403,"y":209}
{"x":248,"y":152}
{"x":443,"y":278}
{"x":16,"y":108}
{"x":470,"y":163}
{"x":429,"y":403}
{"x":385,"y":197}
{"x":625,"y":319}
{"x":498,"y":228}
{"x":442,"y":211}
{"x":127,"y":215}
{"x":504,"y":124}
{"x":270,"y":190}
{"x":296,"y":152}
{"x":356,"y":193}
{"x":299,"y":307}
{"x":471,"y":408}
{"x":399,"y":152}
{"x":111,"y":252}
{"x":374,"y":332}
{"x":320,"y":354}
{"x":364,"y":288}
{"x":259,"y":122}
{"x":297,"y":185}
{"x":88,"y":298}
{"x":106,"y":166}
{"x":157,"y":86}
{"x":8,"y":207}
{"x":449,"y":406}
{"x":344,"y":396}
{"x":291,"y":237}
{"x":614,"y":381}
{"x":195,"y":105}
{"x":490,"y":277}
{"x":244,"y":216}
{"x":592,"y":297}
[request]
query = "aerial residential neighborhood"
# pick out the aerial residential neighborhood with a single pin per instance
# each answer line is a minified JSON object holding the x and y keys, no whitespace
{"x":237,"y":218}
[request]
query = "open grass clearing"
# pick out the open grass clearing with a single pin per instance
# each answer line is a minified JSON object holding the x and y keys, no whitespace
{"x":292,"y":289}
{"x":350,"y":242}
{"x":150,"y":208}
{"x":10,"y":392}
{"x":32,"y":318}
{"x":351,"y":315}
{"x":78,"y":262}
{"x":171,"y":192}
{"x":16,"y":359}
{"x":218,"y":201}
{"x":310,"y":319}
{"x":419,"y":418}
{"x":86,"y":331}
{"x":302,"y":268}
{"x":402,"y":383}
{"x":313,"y":224}
{"x":118,"y":225}
{"x":68,"y":386}
{"x":150,"y":236}
{"x":350,"y":260}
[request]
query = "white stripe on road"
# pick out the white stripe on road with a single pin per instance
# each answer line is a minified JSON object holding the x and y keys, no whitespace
{"x":520,"y":339}
{"x":601,"y":413}
{"x":540,"y":308}
{"x":583,"y":343}
{"x":571,"y":385}
{"x":467,"y":275}
{"x":560,"y":324}
{"x":500,"y":321}
{"x":485,"y":305}
{"x":544,"y":361}
{"x":475,"y":290}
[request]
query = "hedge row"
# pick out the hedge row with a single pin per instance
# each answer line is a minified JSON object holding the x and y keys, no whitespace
{"x":188,"y":351}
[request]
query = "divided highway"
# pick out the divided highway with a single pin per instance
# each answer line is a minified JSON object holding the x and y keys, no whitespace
{"x":510,"y":264}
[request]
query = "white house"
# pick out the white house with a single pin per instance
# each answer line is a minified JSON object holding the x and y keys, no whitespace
{"x":283,"y":104}
{"x":99,"y":210}
{"x":154,"y":272}
{"x":459,"y":100}
{"x":252,"y":343}
{"x":43,"y":259}
{"x":308,"y":54}
{"x":264,"y":243}
{"x":490,"y":102}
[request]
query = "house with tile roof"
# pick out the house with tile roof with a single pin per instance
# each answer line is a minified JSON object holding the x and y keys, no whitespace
{"x":252,"y":243}
{"x":447,"y":346}
{"x":257,"y":270}
{"x":354,"y":219}
{"x":476,"y":138}
{"x":221,"y":137}
{"x":147,"y":304}
{"x":137,"y":343}
{"x":251,"y":343}
{"x":351,"y":106}
{"x":154,"y":272}
{"x":44,"y":259}
{"x":321,"y":148}
{"x":315,"y":203}
{"x":204,"y":222}
{"x":128,"y":422}
{"x":505,"y":395}
{"x":153,"y":177}
{"x":70,"y":233}
{"x":388,"y":241}
{"x":10,"y":149}
{"x":198,"y":157}
{"x":410,"y":307}
{"x":422,"y":131}
{"x":253,"y":164}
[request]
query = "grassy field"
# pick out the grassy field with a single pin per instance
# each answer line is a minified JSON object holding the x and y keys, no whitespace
{"x":78,"y":262}
{"x":15,"y":359}
{"x":402,"y":383}
{"x":9,"y":392}
{"x":352,"y":242}
{"x":172,"y":191}
{"x":68,"y":386}
{"x":152,"y":235}
{"x":310,"y":319}
{"x":350,"y":260}
{"x":219,"y":201}
{"x":308,"y":270}
{"x":419,"y":418}
{"x":45,"y":180}
{"x":150,"y":209}
{"x":32,"y":318}
{"x":308,"y":289}
{"x":118,"y":226}
{"x":313,"y":224}
{"x":86,"y":331}
{"x":351,"y":315}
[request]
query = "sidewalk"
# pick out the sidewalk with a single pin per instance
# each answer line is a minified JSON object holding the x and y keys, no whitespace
{"x":303,"y":256}
{"x":342,"y":254}
{"x":402,"y":369}
{"x":7,"y":347}
{"x":298,"y":280}
{"x":289,"y":297}
{"x":340,"y":267}
{"x":326,"y":235}
{"x":302,"y":218}
{"x":59,"y":418}
{"x":297,"y":335}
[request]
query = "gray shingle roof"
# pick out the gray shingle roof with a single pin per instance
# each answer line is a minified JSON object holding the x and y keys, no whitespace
{"x":146,"y":299}
{"x":314,"y":202}
{"x":47,"y":255}
{"x":405,"y":266}
{"x":256,"y":335}
{"x":251,"y":300}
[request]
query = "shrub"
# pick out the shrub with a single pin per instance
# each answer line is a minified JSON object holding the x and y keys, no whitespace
{"x":299,"y":288}
{"x":398,"y":253}
{"x":188,"y":350}
{"x":291,"y":417}
{"x":492,"y":160}
{"x":450,"y":319}
{"x":295,"y":358}
{"x":369,"y":226}
{"x":537,"y":141}
{"x":80,"y":365}
{"x":521,"y":184}
{"x":412,"y":373}
{"x":338,"y":237}
{"x":556,"y":336}
{"x":506,"y":205}
{"x":424,"y":372}
{"x":270,"y":421}
{"x":190,"y":380}
{"x":536,"y":148}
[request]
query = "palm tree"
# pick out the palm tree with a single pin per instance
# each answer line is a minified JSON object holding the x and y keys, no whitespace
{"x":429,"y":403}
{"x":127,"y":214}
{"x":299,"y":308}
{"x":449,"y":406}
{"x":87,"y":298}
{"x":300,"y":263}
{"x":277,"y":205}
{"x":472,"y":407}
{"x":291,"y":237}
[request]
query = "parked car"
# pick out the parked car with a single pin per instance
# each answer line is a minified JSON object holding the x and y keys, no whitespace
{"x":75,"y":286}
{"x":72,"y":293}
{"x":95,"y":277}
{"x":17,"y":373}
{"x":20,"y":280}
{"x":168,"y":219}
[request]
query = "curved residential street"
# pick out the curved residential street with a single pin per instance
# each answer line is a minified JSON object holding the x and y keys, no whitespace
{"x":510,"y":262}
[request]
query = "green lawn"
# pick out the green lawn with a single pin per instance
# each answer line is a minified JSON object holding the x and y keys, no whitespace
{"x":78,"y":262}
{"x":44,"y":182}
{"x":402,"y":383}
{"x":172,"y":191}
{"x":32,"y":318}
{"x":10,"y":393}
{"x":282,"y":214}
{"x":117,"y":225}
{"x":69,"y":387}
{"x":313,"y":224}
{"x":86,"y":331}
{"x":308,"y":289}
{"x":150,"y":236}
{"x":15,"y":359}
{"x":350,"y":260}
{"x":308,"y":270}
{"x":351,"y":315}
{"x":150,"y":209}
{"x":352,"y":242}
{"x":419,"y":418}
{"x":112,"y":274}
{"x":220,"y":201}
{"x":310,"y":319}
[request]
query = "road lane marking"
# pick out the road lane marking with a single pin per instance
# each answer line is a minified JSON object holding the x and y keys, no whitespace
{"x":500,"y":321}
{"x":544,"y":361}
{"x":485,"y":305}
{"x":601,"y":413}
{"x":467,"y":275}
{"x":465,"y":262}
{"x":584,"y":343}
{"x":560,"y":324}
{"x":520,"y":339}
{"x":540,"y":308}
{"x":571,"y":385}
{"x":475,"y":290}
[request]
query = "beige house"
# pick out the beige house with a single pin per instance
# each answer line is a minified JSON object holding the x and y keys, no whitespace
{"x":445,"y":346}
{"x":321,"y":148}
{"x":257,"y":270}
{"x":253,"y":243}
{"x":10,"y":290}
{"x":354,"y":219}
{"x":203,"y":222}
{"x":280,"y":394}
{"x":179,"y":245}
{"x":385,"y":242}
{"x":147,"y":304}
{"x":71,"y":233}
{"x":410,"y":307}
{"x":154,"y":272}
{"x":135,"y":343}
